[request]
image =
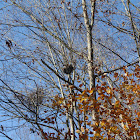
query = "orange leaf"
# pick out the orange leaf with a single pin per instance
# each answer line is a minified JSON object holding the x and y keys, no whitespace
{"x":138,"y":133}
{"x":131,"y":134}
{"x":115,"y":75}
{"x":91,"y":91}
{"x":138,"y":114}
{"x":80,"y":85}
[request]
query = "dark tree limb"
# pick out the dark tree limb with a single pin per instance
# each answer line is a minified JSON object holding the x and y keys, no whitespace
{"x":117,"y":68}
{"x":60,"y":76}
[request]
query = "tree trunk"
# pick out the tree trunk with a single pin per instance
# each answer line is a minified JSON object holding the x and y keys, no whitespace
{"x":89,"y":27}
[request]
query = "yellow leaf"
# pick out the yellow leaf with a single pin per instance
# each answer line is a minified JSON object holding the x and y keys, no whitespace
{"x":96,"y":123}
{"x":83,"y":92}
{"x":125,"y":127}
{"x":60,"y":101}
{"x":82,"y":129}
{"x":113,"y":128}
{"x":78,"y":131}
{"x":102,"y":123}
{"x":97,"y":135}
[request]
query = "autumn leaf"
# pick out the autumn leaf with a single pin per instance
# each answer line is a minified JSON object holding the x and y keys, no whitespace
{"x":138,"y":114}
{"x":78,"y":131}
{"x":71,"y":86}
{"x":81,"y":85}
{"x":102,"y":123}
{"x":82,"y":129}
{"x":115,"y":75}
{"x":108,"y":91}
{"x":91,"y":91}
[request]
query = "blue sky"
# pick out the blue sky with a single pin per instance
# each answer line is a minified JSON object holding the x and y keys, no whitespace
{"x":17,"y":33}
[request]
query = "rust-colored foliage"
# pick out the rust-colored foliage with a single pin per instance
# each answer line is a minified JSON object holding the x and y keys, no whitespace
{"x":117,"y":113}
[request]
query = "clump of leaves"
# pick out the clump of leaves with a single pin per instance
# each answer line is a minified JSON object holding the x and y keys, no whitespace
{"x":117,"y":113}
